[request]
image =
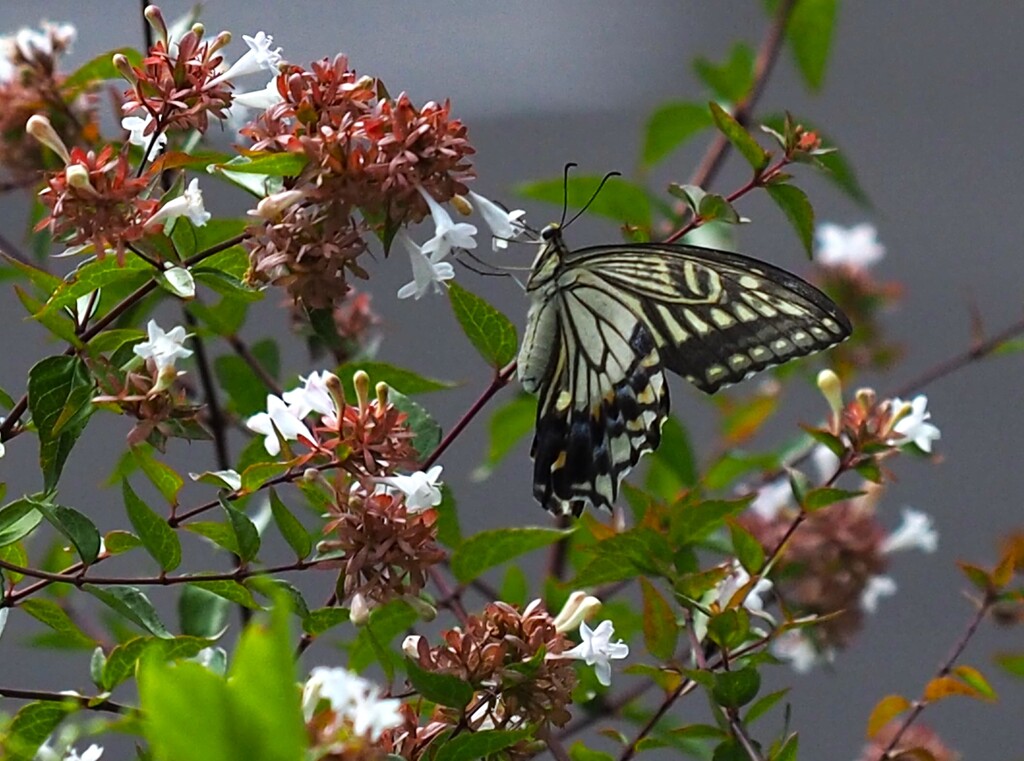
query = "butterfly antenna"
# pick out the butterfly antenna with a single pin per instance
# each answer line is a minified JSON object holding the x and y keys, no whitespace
{"x":597,"y":192}
{"x":565,"y":190}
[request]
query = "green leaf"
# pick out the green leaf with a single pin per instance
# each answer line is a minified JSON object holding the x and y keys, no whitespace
{"x":201,"y":612}
{"x":131,"y":604}
{"x":17,"y":519}
{"x":31,"y":726}
{"x":275,"y":164}
{"x":491,"y":548}
{"x":257,"y":474}
{"x":99,"y":273}
{"x":291,"y":529}
{"x":734,"y":464}
{"x":734,"y":689}
{"x":809,"y":33}
{"x":398,"y":378}
{"x":730,"y":628}
{"x":443,"y":689}
{"x":639,"y":551}
{"x":79,"y":530}
{"x":246,"y":534}
{"x":619,"y":199}
{"x":220,"y":534}
{"x":54,"y":616}
{"x":692,"y":521}
{"x":323,"y":619}
{"x":159,"y":539}
{"x":110,"y":341}
{"x":1011,"y":663}
{"x":122,"y":660}
{"x":490,"y":332}
{"x":99,"y":69}
{"x":385,"y":624}
{"x":789,"y":749}
{"x":838,"y":169}
{"x":60,"y":393}
{"x":117,"y":542}
{"x":163,"y":476}
{"x":673,"y":466}
{"x":747,"y":549}
{"x":232,"y":591}
{"x":671,"y":125}
{"x":798,"y":210}
{"x":755,"y":155}
{"x":426,"y":431}
{"x":224,"y":318}
{"x":509,"y":424}
{"x":823,"y":496}
{"x":580,"y":752}
{"x":661,"y":629}
{"x":449,"y":533}
{"x":731,"y":80}
{"x":763,"y":705}
{"x":58,"y":324}
{"x":469,"y":747}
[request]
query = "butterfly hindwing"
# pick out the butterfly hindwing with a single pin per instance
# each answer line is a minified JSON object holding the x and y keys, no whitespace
{"x":606,"y":322}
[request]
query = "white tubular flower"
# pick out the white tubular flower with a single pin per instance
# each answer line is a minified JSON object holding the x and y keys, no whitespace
{"x":426,"y":272}
{"x":579,"y":607}
{"x":597,"y":649}
{"x":420,"y":489}
{"x":312,"y":397}
{"x":137,"y":135}
{"x":876,"y":588}
{"x":258,"y":57}
{"x":259,"y":99}
{"x":280,"y":416}
{"x":272,"y":206}
{"x":855,"y":247}
{"x":164,"y":348}
{"x":917,"y":532}
{"x":914,"y":426}
{"x":39,"y":127}
{"x":92,"y":753}
{"x":736,"y":580}
{"x":795,"y":647}
{"x":505,"y":225}
{"x":771,"y":498}
{"x":189,"y":203}
{"x":447,"y":234}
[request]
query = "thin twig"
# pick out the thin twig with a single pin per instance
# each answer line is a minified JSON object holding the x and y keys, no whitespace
{"x":246,"y":355}
{"x":89,"y":704}
{"x":740,"y":733}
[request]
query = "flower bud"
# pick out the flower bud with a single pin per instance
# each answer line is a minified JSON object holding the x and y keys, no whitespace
{"x":579,"y":607}
{"x":411,"y":646}
{"x":462,"y":205}
{"x":271,"y":207}
{"x":220,"y":41}
{"x":156,"y":20}
{"x":382,"y":395}
{"x":832,"y":388}
{"x":359,"y":610}
{"x":362,"y":383}
{"x":78,"y":177}
{"x":310,"y":475}
{"x":124,"y":68}
{"x":39,"y":127}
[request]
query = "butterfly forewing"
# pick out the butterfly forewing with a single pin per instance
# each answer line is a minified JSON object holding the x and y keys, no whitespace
{"x":607,"y":320}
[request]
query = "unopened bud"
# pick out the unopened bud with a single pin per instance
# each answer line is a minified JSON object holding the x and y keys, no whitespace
{"x":198,"y":30}
{"x":271,"y":207}
{"x":579,"y":607}
{"x":866,"y":398}
{"x":462,"y":205}
{"x":832,"y":388}
{"x":382,"y":395}
{"x":156,"y":20}
{"x":220,"y":41}
{"x":39,"y":127}
{"x":78,"y":177}
{"x":362,"y":383}
{"x":310,"y":475}
{"x":359,"y":611}
{"x":164,"y":380}
{"x":124,"y":67}
{"x":411,"y":646}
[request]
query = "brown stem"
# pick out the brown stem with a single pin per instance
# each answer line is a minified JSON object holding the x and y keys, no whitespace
{"x":246,"y":355}
{"x":89,"y":704}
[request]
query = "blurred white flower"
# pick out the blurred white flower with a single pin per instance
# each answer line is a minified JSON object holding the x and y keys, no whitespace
{"x":771,"y":498}
{"x":136,"y":127}
{"x":876,"y":588}
{"x":914,"y":425}
{"x":91,"y":753}
{"x":856,"y":247}
{"x":795,"y":647}
{"x":420,"y":489}
{"x":597,"y":649}
{"x":313,"y":396}
{"x":281,"y":416}
{"x":353,"y":700}
{"x":916,"y":532}
{"x":825,"y":462}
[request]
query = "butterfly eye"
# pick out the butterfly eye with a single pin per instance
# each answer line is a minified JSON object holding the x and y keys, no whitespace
{"x":550,"y":232}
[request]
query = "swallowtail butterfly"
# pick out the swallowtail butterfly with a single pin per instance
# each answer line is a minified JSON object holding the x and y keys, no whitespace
{"x":605,"y":323}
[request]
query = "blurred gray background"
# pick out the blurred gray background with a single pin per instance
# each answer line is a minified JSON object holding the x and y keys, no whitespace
{"x":924,"y":99}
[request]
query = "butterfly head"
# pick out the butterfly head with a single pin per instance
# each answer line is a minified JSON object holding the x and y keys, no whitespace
{"x":546,"y":265}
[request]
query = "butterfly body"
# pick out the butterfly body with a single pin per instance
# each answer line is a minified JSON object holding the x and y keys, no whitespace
{"x":604,"y":324}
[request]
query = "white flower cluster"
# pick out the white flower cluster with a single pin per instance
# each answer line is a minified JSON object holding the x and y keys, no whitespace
{"x":855,"y":247}
{"x":429,"y":269}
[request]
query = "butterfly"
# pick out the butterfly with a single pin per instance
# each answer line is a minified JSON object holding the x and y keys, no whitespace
{"x":606,"y":322}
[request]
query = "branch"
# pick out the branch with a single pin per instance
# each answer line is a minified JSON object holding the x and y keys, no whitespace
{"x":89,"y":704}
{"x":243,"y":351}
